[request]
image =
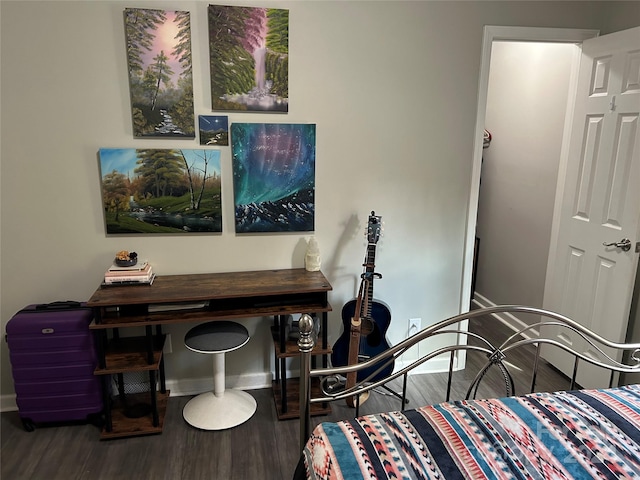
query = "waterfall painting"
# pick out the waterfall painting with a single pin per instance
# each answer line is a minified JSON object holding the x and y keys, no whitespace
{"x":161,"y":191}
{"x":160,"y":74}
{"x":249,"y":58}
{"x":273,"y":177}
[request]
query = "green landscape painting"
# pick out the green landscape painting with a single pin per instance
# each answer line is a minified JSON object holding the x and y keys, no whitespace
{"x":160,"y":73}
{"x":161,"y":191}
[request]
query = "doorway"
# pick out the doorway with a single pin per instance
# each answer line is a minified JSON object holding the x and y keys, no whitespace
{"x":492,"y":35}
{"x":527,"y":99}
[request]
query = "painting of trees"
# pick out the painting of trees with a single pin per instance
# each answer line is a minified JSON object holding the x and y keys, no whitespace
{"x":160,"y":72}
{"x":161,"y":190}
{"x":115,"y":189}
{"x":249,"y":58}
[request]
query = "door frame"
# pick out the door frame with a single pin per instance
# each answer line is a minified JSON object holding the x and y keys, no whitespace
{"x":504,"y":33}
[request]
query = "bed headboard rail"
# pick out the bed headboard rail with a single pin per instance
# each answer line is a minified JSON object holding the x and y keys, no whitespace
{"x":533,"y":335}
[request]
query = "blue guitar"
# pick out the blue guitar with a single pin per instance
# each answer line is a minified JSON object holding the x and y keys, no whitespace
{"x":364,"y":334}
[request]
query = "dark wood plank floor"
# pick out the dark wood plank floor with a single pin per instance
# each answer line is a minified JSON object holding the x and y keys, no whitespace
{"x":262,"y":448}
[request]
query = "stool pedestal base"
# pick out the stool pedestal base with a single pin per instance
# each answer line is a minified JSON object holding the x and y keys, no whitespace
{"x":208,"y":412}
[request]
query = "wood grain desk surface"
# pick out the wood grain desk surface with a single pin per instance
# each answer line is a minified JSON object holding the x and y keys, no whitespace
{"x":213,"y":286}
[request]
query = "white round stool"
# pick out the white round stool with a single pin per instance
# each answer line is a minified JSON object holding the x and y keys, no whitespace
{"x":221,"y":408}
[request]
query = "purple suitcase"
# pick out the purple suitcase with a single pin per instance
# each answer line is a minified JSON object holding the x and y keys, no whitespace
{"x":53,"y":357}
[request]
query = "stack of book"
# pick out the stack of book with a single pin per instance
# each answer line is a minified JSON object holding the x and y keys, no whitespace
{"x":140,"y":274}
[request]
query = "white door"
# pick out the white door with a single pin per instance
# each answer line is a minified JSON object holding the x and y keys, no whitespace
{"x":600,"y":202}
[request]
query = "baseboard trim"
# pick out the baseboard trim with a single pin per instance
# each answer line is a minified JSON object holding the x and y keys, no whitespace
{"x":435,"y":365}
{"x":194,"y":386}
{"x":186,"y":386}
{"x":8,"y":403}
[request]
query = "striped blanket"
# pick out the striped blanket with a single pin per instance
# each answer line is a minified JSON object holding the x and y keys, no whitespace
{"x":563,"y":435}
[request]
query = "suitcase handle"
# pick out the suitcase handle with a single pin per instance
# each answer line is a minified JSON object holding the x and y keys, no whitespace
{"x":59,"y":305}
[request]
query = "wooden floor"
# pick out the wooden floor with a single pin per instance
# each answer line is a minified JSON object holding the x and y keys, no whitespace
{"x":262,"y":448}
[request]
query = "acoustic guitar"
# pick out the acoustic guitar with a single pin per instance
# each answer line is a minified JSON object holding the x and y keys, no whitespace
{"x":365,"y":319}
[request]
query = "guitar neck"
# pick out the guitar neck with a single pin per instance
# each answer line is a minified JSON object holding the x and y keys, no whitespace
{"x":369,"y":272}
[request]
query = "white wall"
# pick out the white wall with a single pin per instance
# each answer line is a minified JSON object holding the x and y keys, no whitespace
{"x":526,"y":109}
{"x":391,"y":85}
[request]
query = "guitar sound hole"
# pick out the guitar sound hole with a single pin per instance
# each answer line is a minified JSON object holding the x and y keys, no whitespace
{"x":370,"y":329}
{"x":367,"y":326}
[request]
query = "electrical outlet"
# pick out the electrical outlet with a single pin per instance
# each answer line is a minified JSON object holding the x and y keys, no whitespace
{"x":414,"y":326}
{"x":167,"y":344}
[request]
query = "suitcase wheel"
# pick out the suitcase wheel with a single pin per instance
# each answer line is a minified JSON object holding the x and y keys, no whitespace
{"x":28,"y":424}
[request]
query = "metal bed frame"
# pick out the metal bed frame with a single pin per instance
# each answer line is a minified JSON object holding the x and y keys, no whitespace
{"x":496,"y":357}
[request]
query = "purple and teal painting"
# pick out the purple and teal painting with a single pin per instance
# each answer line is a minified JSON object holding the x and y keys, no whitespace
{"x":249,"y":58}
{"x":157,"y":191}
{"x":273,"y":176}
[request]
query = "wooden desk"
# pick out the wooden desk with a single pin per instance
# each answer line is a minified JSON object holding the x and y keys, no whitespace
{"x":222,"y":296}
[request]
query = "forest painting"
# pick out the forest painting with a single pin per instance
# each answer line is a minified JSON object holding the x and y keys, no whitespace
{"x":273,"y":177}
{"x":160,"y":73}
{"x":161,"y":190}
{"x":249,"y":58}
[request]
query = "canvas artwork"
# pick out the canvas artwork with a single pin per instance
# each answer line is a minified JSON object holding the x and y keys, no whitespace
{"x":160,"y":74}
{"x":214,"y":130}
{"x":273,"y":177}
{"x":161,"y":191}
{"x":249,"y":58}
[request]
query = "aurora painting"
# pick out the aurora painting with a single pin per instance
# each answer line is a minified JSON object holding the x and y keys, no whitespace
{"x":249,"y":58}
{"x":273,"y":177}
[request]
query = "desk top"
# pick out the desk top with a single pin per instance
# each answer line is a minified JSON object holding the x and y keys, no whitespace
{"x":213,"y":286}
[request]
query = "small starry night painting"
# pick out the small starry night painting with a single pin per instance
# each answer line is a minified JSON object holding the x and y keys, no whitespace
{"x":273,"y":176}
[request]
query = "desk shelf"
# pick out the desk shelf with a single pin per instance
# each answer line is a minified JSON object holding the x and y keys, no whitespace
{"x":128,"y":354}
{"x":286,"y":391}
{"x":291,"y":348}
{"x":131,"y":354}
{"x":215,"y":311}
{"x":293,"y":399}
{"x":123,"y":426}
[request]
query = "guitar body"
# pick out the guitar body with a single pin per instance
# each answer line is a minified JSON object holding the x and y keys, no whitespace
{"x":372,"y":338}
{"x":365,"y":324}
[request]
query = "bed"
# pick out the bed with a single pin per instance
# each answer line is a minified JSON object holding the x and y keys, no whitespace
{"x":573,"y":433}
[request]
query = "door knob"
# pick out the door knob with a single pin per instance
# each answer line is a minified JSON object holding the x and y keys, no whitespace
{"x":624,"y":244}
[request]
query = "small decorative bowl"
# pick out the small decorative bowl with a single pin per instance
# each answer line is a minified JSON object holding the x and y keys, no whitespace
{"x":126,"y":263}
